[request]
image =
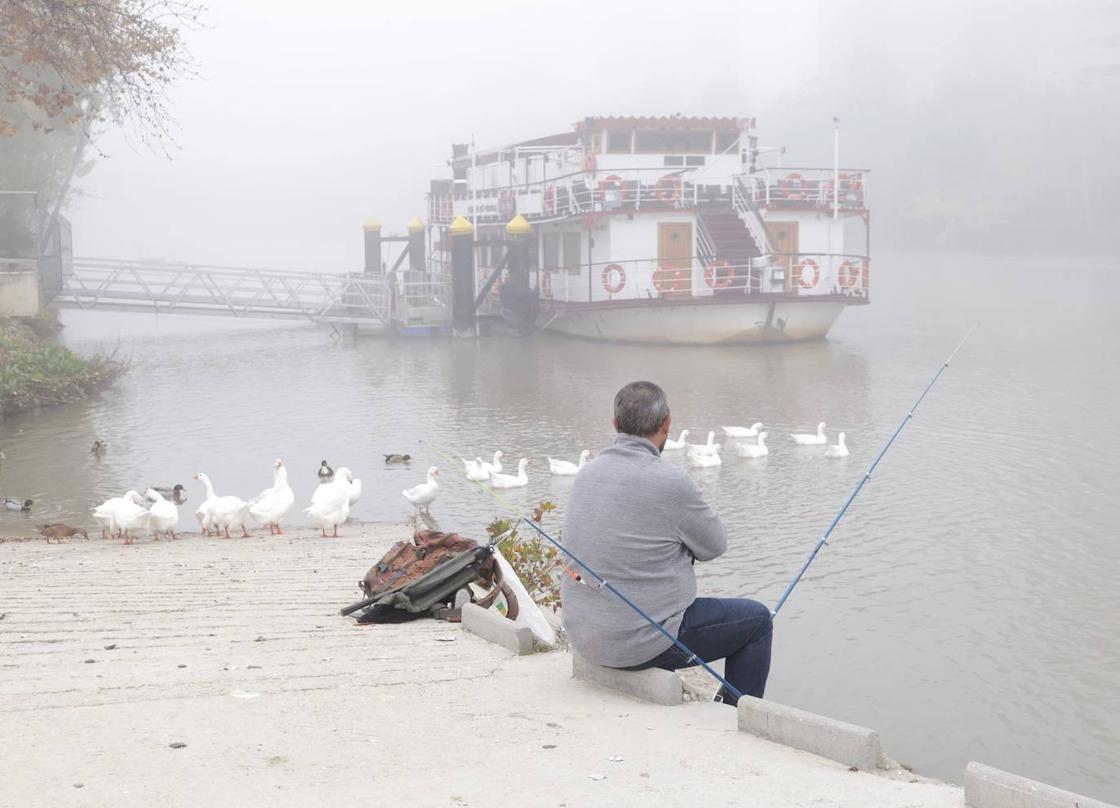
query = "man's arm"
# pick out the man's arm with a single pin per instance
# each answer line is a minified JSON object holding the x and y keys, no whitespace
{"x":698,"y":525}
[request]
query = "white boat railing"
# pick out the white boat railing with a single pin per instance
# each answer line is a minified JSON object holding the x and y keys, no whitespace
{"x":809,"y":187}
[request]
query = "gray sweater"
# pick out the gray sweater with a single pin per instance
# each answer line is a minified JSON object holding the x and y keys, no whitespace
{"x":637,"y":521}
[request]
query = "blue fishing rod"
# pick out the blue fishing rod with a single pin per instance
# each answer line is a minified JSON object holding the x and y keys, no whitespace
{"x":602,"y":583}
{"x":867,"y":476}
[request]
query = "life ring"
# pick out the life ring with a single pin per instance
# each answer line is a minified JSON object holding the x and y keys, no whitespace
{"x":668,"y":188}
{"x":718,"y":275}
{"x":802,"y":265}
{"x":669,"y":280}
{"x":609,"y":283}
{"x":851,"y":188}
{"x":802,"y":191}
{"x":613,"y":181}
{"x":848,"y":274}
{"x":550,"y":200}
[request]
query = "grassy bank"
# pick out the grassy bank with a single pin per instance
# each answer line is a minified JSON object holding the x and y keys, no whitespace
{"x":35,"y":372}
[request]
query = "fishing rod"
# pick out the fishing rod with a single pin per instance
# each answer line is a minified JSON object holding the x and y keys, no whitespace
{"x":601,"y":582}
{"x":867,"y":476}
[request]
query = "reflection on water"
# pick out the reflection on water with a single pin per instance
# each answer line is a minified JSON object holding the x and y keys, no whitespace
{"x":967,"y":605}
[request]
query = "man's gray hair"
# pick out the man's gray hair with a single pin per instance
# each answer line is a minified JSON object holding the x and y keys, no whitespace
{"x":640,"y":408}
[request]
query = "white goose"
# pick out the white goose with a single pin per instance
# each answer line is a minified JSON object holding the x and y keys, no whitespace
{"x":519,"y":480}
{"x":477,"y":470}
{"x":703,"y":456}
{"x":711,"y":447}
{"x":496,"y":465}
{"x":565,"y":468}
{"x":272,"y":504}
{"x":330,"y":504}
{"x":423,"y":495}
{"x":105,"y":513}
{"x":355,"y":491}
{"x":839,"y":450}
{"x":742,"y":431}
{"x":671,"y":444}
{"x":753,"y":449}
{"x":130,"y":516}
{"x":804,"y":439}
{"x":164,"y":515}
{"x":223,"y":512}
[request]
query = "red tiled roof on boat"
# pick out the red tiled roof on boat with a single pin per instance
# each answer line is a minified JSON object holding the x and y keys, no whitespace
{"x":664,"y":122}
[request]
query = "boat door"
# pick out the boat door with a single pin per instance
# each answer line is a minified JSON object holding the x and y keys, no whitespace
{"x":674,"y":258}
{"x":787,"y":241}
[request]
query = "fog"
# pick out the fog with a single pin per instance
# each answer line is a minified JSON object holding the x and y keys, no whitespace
{"x":976,"y":119}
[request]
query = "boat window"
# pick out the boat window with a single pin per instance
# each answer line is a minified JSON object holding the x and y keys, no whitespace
{"x":551,"y":250}
{"x":571,"y":251}
{"x":618,"y":141}
{"x":694,"y":160}
{"x":674,"y":160}
{"x":727,"y":142}
{"x":672,"y":141}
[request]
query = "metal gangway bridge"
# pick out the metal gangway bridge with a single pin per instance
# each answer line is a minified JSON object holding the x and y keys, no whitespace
{"x":373,"y":301}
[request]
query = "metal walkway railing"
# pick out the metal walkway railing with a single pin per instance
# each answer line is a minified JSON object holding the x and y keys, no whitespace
{"x":106,"y":284}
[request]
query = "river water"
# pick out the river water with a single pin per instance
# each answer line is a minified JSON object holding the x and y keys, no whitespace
{"x":968,"y":606}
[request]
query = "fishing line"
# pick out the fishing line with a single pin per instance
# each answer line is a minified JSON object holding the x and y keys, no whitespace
{"x":867,"y":475}
{"x":602,"y":583}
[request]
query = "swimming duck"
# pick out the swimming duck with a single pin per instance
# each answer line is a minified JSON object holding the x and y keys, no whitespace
{"x":742,"y":431}
{"x":270,"y":506}
{"x":423,"y":495}
{"x":519,"y":480}
{"x":164,"y":515}
{"x":671,"y":444}
{"x":176,"y":493}
{"x":105,"y":513}
{"x":99,"y":447}
{"x":397,"y":458}
{"x":839,"y":450}
{"x":565,"y":468}
{"x":326,"y":473}
{"x":330,"y":504}
{"x":59,"y":531}
{"x":753,"y":449}
{"x":224,"y":512}
{"x":13,"y":504}
{"x":803,"y":439}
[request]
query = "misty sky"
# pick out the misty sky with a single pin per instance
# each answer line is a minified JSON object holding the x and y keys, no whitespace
{"x":307,"y":118}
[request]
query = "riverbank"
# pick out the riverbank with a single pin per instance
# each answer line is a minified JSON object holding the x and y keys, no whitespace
{"x":116,"y":655}
{"x":35,"y":372}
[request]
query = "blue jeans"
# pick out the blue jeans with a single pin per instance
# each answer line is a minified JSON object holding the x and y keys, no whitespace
{"x":735,"y":629}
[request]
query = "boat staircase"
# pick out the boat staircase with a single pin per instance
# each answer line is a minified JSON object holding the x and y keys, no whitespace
{"x":357,"y":299}
{"x":736,"y":236}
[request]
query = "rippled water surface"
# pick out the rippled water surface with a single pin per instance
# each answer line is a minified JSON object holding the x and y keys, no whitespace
{"x":968,"y":606}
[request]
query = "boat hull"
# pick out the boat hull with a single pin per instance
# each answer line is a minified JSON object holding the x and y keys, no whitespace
{"x":746,"y":323}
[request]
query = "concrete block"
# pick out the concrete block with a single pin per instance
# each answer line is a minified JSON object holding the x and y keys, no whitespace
{"x":985,"y":787}
{"x":827,"y":737}
{"x":656,"y":685}
{"x":491,"y":625}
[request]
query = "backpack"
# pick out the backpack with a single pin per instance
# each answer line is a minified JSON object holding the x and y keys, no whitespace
{"x":423,"y":577}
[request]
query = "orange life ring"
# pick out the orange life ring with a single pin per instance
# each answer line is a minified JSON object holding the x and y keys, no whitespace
{"x":550,"y":200}
{"x":612,"y":286}
{"x":848,"y":274}
{"x":718,"y":275}
{"x":800,"y":268}
{"x":613,"y":181}
{"x":802,"y":191}
{"x":851,"y":188}
{"x":669,"y":280}
{"x":668,"y":188}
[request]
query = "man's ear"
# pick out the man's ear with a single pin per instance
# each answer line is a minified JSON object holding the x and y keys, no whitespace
{"x":614,"y":423}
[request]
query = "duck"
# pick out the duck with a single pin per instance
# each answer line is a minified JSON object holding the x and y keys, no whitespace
{"x":59,"y":531}
{"x":703,"y":456}
{"x":711,"y":447}
{"x":98,"y":448}
{"x":164,"y":515}
{"x":105,"y":513}
{"x":13,"y":504}
{"x":803,"y":439}
{"x":326,"y":473}
{"x":330,"y":504}
{"x":753,"y":449}
{"x":742,"y":431}
{"x":272,"y":504}
{"x":519,"y":480}
{"x":224,"y":512}
{"x":477,"y":470}
{"x":176,"y":493}
{"x":423,"y":495}
{"x":397,"y":458}
{"x":839,"y":450}
{"x":131,"y":516}
{"x":671,"y":444}
{"x":567,"y":469}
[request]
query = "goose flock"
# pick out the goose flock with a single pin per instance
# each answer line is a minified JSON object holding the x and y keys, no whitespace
{"x":705,"y":455}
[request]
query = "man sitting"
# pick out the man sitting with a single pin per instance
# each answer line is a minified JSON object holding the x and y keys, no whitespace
{"x":641,"y":523}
